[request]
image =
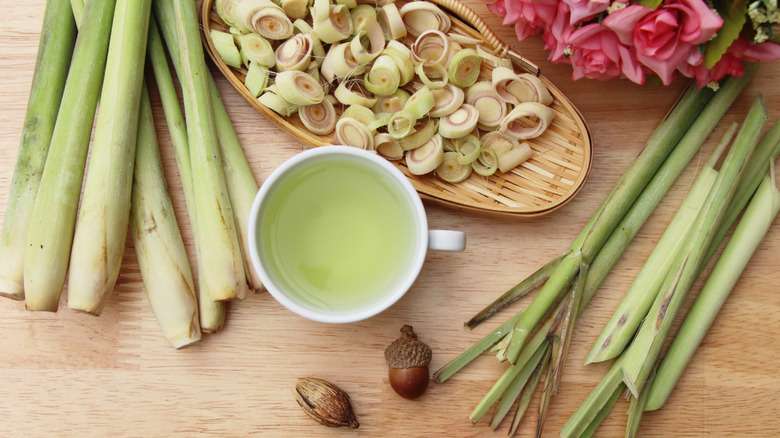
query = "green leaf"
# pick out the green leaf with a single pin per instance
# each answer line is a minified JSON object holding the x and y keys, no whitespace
{"x":734,"y":17}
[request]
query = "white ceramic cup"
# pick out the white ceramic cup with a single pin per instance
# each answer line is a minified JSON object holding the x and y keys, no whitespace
{"x":420,"y":237}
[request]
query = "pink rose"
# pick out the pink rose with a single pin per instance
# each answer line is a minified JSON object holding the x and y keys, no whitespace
{"x":598,"y":54}
{"x":668,"y":37}
{"x":585,"y":9}
{"x":731,"y":63}
{"x":530,"y":17}
{"x":556,"y":37}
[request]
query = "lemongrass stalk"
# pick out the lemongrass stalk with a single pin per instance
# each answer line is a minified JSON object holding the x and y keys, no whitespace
{"x":241,"y":182}
{"x":602,"y":414}
{"x":223,"y":274}
{"x":211,"y":313}
{"x":747,"y":236}
{"x":524,"y":401}
{"x":101,"y":227}
{"x":518,"y":383}
{"x":55,"y":48}
{"x":635,"y":410}
{"x":50,"y":233}
{"x":165,"y":269}
{"x":642,"y":292}
{"x":595,"y":402}
{"x":645,"y":348}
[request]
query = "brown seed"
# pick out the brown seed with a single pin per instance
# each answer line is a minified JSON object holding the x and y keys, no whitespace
{"x":408,"y":359}
{"x":325,"y":402}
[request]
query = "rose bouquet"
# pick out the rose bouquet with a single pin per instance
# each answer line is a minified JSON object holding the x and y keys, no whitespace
{"x":607,"y":39}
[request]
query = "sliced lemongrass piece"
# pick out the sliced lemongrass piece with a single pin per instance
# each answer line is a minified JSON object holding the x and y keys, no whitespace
{"x":527,"y":120}
{"x":492,"y":110}
{"x":351,"y":132}
{"x":336,"y":27}
{"x":315,"y":73}
{"x":403,"y":57}
{"x":264,"y":17}
{"x":257,"y":49}
{"x":448,"y":144}
{"x":383,"y":77}
{"x":433,"y":76}
{"x":425,"y":158}
{"x":463,"y":39}
{"x":424,"y":130}
{"x":388,"y":147}
{"x":295,"y":9}
{"x":486,"y":163}
{"x":464,"y":66}
{"x":499,"y":142}
{"x":368,"y":42}
{"x":294,"y":53}
{"x":225,"y":11}
{"x":446,"y":100}
{"x":226,"y":48}
{"x":379,"y":122}
{"x":431,"y":47}
{"x":401,"y":124}
{"x":514,"y":157}
{"x":319,"y":118}
{"x":360,"y":113}
{"x":256,"y":78}
{"x":276,"y":103}
{"x":299,"y":88}
{"x":391,"y":22}
{"x":492,"y":59}
{"x":420,"y":103}
{"x":421,"y":16}
{"x":320,"y":9}
{"x":454,"y":49}
{"x":516,"y":88}
{"x":451,"y":169}
{"x":467,"y":148}
{"x":460,"y":123}
{"x":339,"y":63}
{"x":351,"y":93}
{"x":360,"y":13}
{"x":348,"y":3}
{"x":392,"y":103}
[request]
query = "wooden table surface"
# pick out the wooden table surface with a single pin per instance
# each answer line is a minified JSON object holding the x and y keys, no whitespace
{"x":71,"y":374}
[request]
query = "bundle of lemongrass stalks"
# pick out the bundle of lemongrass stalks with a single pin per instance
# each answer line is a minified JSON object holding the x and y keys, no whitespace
{"x":47,"y":235}
{"x":535,"y":341}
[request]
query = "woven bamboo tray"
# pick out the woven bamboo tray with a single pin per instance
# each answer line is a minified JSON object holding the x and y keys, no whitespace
{"x":539,"y":186}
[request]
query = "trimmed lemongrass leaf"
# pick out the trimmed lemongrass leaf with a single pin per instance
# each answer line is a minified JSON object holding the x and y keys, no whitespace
{"x":595,"y":402}
{"x":514,"y":389}
{"x":635,"y":410}
{"x":528,"y":394}
{"x":602,"y":414}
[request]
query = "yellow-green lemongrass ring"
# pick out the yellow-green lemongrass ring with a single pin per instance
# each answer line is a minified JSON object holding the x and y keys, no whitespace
{"x":467,"y":148}
{"x":336,"y":27}
{"x":460,"y":123}
{"x":263,"y":17}
{"x":348,"y":3}
{"x":379,"y":122}
{"x":454,"y":49}
{"x":431,"y":47}
{"x":319,"y":118}
{"x":486,"y":163}
{"x":299,"y":88}
{"x":492,"y":59}
{"x":499,"y":142}
{"x":391,"y":22}
{"x":257,"y":49}
{"x":360,"y":14}
{"x":374,"y":3}
{"x":226,"y":48}
{"x":388,"y":147}
{"x":403,"y":57}
{"x":420,"y":16}
{"x":368,"y":42}
{"x":492,"y":109}
{"x":425,"y":158}
{"x":225,"y":11}
{"x":424,"y":130}
{"x":420,"y":103}
{"x":339,"y":63}
{"x":392,"y":103}
{"x":527,"y":120}
{"x":294,"y":53}
{"x":446,"y":100}
{"x":383,"y":77}
{"x":448,"y":144}
{"x":515,"y":157}
{"x":243,"y":11}
{"x":541,"y":93}
{"x":463,"y":39}
{"x":277,"y":104}
{"x":451,"y":169}
{"x":301,"y":26}
{"x":433,"y":76}
{"x":320,"y":10}
{"x":351,"y":93}
{"x":401,"y":124}
{"x":463,"y":69}
{"x":361,"y":114}
{"x":516,"y":88}
{"x":295,"y":9}
{"x":351,"y":132}
{"x":256,"y":78}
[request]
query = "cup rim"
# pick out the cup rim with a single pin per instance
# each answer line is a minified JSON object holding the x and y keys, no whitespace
{"x":376,"y":307}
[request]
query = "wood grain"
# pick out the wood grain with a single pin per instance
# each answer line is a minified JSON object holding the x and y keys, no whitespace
{"x":70,"y":374}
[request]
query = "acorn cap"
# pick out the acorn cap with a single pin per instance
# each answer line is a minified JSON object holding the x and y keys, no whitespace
{"x":407,"y":351}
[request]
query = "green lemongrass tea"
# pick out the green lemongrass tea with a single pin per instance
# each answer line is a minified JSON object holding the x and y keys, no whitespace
{"x":337,"y":234}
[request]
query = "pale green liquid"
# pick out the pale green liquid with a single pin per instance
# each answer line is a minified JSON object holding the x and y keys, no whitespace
{"x":337,"y":236}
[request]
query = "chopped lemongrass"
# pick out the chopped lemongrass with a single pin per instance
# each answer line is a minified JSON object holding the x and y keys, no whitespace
{"x":430,"y":48}
{"x":424,"y":129}
{"x":257,"y":49}
{"x":517,"y":88}
{"x":225,"y":10}
{"x":361,"y":15}
{"x":360,"y":113}
{"x":499,"y":142}
{"x":299,"y":88}
{"x":295,"y":9}
{"x":390,"y":104}
{"x":351,"y":93}
{"x":226,"y":48}
{"x":514,"y":157}
{"x":492,"y":110}
{"x":527,"y":120}
{"x":294,"y":53}
{"x":383,"y":77}
{"x":256,"y":78}
{"x":486,"y":163}
{"x":55,"y":48}
{"x":420,"y":103}
{"x":401,"y":124}
{"x":264,"y":17}
{"x":351,"y":132}
{"x":425,"y":158}
{"x":433,"y":76}
{"x":368,"y":42}
{"x":276,"y":103}
{"x":402,"y":55}
{"x":468,"y":148}
{"x":451,"y":169}
{"x":391,"y":22}
{"x":460,"y":123}
{"x":421,"y":16}
{"x":335,"y":27}
{"x":464,"y":68}
{"x":319,"y":118}
{"x":388,"y":147}
{"x":339,"y":63}
{"x":446,"y":100}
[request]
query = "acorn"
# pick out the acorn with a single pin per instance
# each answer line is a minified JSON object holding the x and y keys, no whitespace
{"x":325,"y":402}
{"x":408,"y":359}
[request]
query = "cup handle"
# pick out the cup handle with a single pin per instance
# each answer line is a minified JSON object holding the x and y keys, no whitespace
{"x":446,"y":240}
